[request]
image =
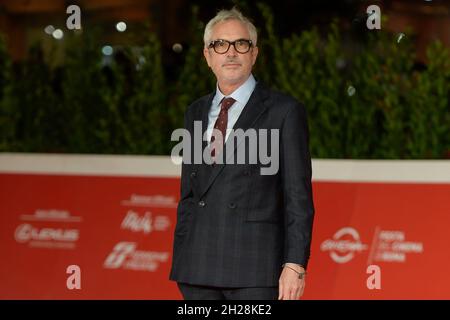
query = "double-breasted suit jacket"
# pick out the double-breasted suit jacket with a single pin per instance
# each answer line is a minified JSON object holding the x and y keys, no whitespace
{"x":235,"y":226}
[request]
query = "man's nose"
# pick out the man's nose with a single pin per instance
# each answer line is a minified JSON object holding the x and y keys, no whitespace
{"x":232,"y":51}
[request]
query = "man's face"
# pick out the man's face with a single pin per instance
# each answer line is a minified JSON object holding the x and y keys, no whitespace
{"x":232,"y":67}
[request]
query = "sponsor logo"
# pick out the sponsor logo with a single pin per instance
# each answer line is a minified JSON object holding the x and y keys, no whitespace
{"x":392,"y":246}
{"x":126,"y":256}
{"x":343,"y":245}
{"x":146,"y":223}
{"x":46,"y":237}
{"x":50,"y":215}
{"x":158,"y":201}
{"x":387,"y":246}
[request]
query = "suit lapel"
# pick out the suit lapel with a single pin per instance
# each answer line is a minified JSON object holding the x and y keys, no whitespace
{"x":201,"y":114}
{"x":251,"y":112}
{"x":205,"y":111}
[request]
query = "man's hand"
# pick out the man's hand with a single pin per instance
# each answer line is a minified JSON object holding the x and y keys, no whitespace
{"x":290,"y":286}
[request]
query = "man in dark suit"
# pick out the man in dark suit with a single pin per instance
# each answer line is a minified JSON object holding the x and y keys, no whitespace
{"x":241,"y":234}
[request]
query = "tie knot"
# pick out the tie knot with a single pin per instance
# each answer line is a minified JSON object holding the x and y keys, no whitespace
{"x":227,"y":103}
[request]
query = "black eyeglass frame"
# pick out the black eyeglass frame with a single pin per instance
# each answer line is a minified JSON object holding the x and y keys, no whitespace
{"x":212,"y":44}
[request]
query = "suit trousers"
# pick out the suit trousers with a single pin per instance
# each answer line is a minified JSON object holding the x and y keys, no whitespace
{"x":197,"y":292}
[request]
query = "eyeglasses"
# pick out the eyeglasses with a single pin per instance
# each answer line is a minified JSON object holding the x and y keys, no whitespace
{"x":222,"y":46}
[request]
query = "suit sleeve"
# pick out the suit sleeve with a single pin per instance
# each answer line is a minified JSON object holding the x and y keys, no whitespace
{"x":296,"y":172}
{"x":185,"y":187}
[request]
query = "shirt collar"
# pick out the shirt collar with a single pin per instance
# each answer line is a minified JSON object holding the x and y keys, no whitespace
{"x":241,"y":94}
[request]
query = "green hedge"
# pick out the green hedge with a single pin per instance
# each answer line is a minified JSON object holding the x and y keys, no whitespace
{"x":367,"y":100}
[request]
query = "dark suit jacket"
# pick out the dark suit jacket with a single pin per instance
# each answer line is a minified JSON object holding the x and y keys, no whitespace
{"x":236,"y":227}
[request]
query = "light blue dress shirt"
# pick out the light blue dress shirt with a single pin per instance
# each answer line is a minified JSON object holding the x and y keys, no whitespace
{"x":241,"y":95}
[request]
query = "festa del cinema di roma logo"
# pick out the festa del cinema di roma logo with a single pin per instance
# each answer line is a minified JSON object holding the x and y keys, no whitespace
{"x":343,"y":245}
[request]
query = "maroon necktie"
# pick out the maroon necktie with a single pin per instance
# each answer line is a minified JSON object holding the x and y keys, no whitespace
{"x":221,"y":124}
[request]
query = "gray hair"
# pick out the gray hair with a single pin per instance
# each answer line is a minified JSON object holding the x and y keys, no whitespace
{"x":224,"y":15}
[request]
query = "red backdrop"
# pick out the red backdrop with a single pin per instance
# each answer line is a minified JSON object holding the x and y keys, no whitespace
{"x":119,"y":231}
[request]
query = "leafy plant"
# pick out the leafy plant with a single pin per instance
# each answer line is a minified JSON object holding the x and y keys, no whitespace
{"x":365,"y":98}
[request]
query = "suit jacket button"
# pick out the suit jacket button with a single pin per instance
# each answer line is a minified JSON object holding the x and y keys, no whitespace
{"x":231,"y":205}
{"x":201,"y":203}
{"x":193,"y":174}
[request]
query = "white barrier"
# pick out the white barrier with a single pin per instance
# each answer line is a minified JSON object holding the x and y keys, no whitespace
{"x":417,"y":171}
